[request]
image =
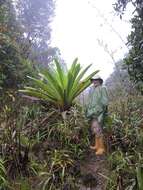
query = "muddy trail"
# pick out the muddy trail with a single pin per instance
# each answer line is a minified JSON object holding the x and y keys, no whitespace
{"x":94,"y":170}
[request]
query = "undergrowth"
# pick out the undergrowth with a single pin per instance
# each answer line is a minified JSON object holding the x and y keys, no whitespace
{"x":41,"y":147}
{"x":126,"y":142}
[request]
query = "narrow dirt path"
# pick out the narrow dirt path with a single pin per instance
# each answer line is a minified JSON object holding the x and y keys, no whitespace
{"x":94,"y":171}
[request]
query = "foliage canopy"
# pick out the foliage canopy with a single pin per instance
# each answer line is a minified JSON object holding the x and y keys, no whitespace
{"x":135,"y":40}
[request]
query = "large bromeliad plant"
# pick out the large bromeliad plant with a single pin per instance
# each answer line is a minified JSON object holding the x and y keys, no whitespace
{"x":59,"y":87}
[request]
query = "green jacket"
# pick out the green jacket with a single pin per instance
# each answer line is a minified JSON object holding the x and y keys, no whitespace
{"x":97,"y":103}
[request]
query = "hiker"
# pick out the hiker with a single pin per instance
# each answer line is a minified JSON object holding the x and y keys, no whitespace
{"x":96,"y":111}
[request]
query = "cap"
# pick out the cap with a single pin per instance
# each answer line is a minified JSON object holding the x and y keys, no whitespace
{"x":97,"y":77}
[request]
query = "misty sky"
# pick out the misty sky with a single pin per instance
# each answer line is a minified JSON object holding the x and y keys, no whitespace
{"x":79,"y":26}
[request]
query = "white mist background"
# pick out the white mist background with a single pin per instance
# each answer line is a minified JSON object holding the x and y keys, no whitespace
{"x":79,"y":25}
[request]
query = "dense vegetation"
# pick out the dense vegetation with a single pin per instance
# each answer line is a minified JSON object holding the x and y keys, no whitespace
{"x":126,"y":143}
{"x":126,"y":158}
{"x":134,"y":59}
{"x":43,"y":130}
{"x":125,"y":133}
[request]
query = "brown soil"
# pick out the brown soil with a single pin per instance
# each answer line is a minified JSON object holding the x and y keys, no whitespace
{"x":94,"y":171}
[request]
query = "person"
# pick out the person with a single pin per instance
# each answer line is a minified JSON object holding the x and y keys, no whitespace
{"x":96,"y":110}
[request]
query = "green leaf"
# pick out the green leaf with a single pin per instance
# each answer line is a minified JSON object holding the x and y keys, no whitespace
{"x":60,"y":73}
{"x":139,"y":171}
